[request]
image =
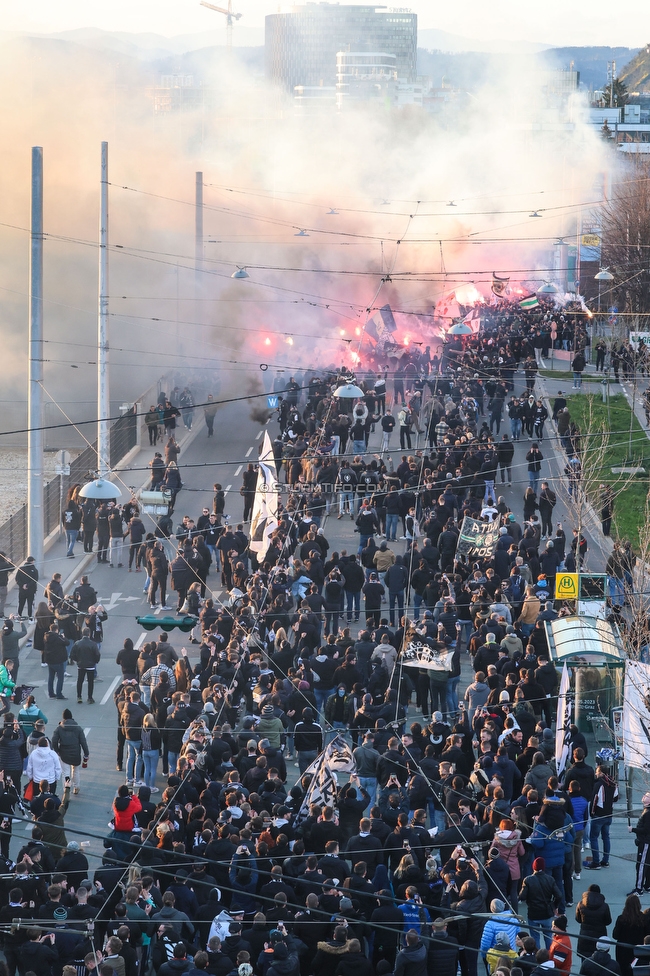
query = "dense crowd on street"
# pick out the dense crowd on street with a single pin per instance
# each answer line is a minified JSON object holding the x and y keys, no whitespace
{"x":457,"y":843}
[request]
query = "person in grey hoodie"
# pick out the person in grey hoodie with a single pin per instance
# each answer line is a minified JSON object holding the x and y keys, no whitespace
{"x":538,"y":774}
{"x":476,"y":694}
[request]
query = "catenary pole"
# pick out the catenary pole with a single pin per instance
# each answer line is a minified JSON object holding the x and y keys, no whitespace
{"x":198,"y":232}
{"x":35,"y":521}
{"x":103,"y":393}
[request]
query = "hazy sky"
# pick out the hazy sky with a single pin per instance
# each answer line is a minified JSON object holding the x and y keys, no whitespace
{"x":556,"y":22}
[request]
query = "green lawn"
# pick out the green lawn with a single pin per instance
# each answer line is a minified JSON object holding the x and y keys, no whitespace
{"x":630,"y":507}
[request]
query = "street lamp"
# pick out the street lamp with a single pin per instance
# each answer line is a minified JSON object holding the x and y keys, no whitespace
{"x":548,"y":288}
{"x":240,"y":273}
{"x":348,"y":391}
{"x":100,"y":490}
{"x":461,"y":329}
{"x":603,"y":275}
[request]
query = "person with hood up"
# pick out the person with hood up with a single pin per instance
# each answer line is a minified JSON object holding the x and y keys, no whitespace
{"x":538,"y":774}
{"x":329,"y":953}
{"x":499,"y":950}
{"x":594,"y":915}
{"x":600,"y":963}
{"x":471,"y":903}
{"x":43,"y":763}
{"x":285,"y":961}
{"x":412,"y":959}
{"x":385,"y":653}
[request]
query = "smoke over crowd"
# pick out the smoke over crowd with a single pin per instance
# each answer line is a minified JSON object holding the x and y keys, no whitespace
{"x":426,"y":201}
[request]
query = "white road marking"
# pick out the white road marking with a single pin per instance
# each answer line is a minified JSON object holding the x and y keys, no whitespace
{"x":261,"y":434}
{"x":87,"y":731}
{"x":111,"y":688}
{"x":238,"y":471}
{"x":112,"y":603}
{"x":140,"y":641}
{"x":249,"y":452}
{"x":228,"y":487}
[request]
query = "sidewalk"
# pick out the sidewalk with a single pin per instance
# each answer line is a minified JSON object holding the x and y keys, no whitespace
{"x":55,"y":559}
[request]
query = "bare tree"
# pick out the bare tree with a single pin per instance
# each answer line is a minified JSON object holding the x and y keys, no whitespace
{"x":626,"y":239}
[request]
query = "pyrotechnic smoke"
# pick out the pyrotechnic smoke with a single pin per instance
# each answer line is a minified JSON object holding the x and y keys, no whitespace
{"x":391,"y":176}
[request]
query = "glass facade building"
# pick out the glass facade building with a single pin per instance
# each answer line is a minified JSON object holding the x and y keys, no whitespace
{"x":301,"y":45}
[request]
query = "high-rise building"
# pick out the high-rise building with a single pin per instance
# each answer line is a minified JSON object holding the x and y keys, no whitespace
{"x":301,"y":45}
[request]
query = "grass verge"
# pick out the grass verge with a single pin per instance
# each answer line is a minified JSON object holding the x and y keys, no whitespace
{"x":588,"y":411}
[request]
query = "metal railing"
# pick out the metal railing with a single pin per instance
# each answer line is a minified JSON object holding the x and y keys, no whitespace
{"x":123,"y":437}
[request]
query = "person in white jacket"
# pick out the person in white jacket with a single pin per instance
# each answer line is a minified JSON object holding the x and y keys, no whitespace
{"x":44,"y":764}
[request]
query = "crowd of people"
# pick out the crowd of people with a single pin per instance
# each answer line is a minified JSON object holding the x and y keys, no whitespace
{"x":455,"y":844}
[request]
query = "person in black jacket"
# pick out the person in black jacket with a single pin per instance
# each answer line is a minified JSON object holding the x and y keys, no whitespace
{"x":308,"y":739}
{"x":85,"y":654}
{"x":443,"y":950}
{"x":26,"y":581}
{"x":642,"y":840}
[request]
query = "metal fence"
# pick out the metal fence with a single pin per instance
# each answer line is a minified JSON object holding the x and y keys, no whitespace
{"x":13,"y":532}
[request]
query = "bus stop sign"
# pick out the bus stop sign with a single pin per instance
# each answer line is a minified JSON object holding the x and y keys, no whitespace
{"x":566,"y":586}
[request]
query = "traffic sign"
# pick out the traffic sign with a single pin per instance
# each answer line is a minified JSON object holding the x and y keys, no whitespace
{"x":566,"y":586}
{"x":271,"y":402}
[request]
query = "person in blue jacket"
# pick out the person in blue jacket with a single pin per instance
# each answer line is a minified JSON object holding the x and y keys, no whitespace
{"x":552,"y":836}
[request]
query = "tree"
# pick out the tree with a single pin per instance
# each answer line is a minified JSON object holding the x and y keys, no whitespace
{"x":620,"y":94}
{"x":625,"y":219}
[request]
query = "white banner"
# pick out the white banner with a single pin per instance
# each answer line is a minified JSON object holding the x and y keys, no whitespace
{"x":264,"y":520}
{"x":418,"y":655}
{"x":563,"y":732}
{"x":636,"y":715}
{"x":335,"y":758}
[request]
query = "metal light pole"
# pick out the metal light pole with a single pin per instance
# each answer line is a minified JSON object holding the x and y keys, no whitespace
{"x":198,"y":232}
{"x":103,"y":396}
{"x":35,"y":520}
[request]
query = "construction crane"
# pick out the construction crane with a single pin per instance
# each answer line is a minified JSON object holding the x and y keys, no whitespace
{"x":231,"y":17}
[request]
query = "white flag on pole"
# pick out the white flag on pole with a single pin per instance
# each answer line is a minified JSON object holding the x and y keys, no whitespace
{"x":563,"y":732}
{"x":636,"y":715}
{"x":335,"y":758}
{"x":265,"y":507}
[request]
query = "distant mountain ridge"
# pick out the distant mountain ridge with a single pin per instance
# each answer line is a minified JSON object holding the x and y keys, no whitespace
{"x":636,"y":74}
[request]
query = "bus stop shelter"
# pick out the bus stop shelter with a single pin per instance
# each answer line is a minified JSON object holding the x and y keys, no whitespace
{"x":594,"y":653}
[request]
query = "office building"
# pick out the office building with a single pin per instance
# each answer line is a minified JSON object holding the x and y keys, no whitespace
{"x":301,"y":45}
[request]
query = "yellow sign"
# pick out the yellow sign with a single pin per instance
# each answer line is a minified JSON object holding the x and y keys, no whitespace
{"x":566,"y":586}
{"x":590,"y":240}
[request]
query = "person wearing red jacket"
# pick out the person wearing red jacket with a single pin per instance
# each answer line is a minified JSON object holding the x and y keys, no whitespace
{"x":125,"y":807}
